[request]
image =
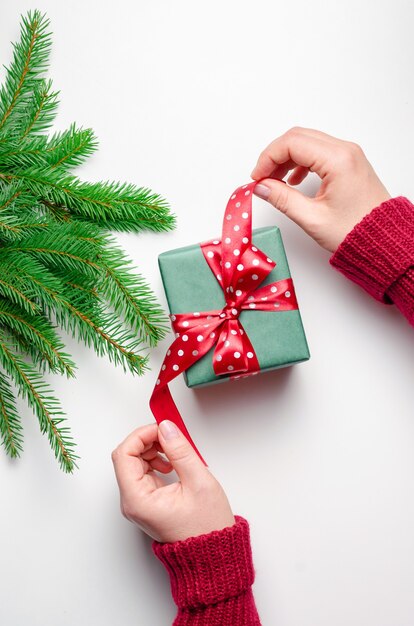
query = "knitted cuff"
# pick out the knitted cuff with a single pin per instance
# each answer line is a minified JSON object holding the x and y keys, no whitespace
{"x":380,"y":248}
{"x":210,"y":568}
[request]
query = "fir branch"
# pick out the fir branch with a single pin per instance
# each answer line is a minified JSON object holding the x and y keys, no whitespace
{"x":30,"y":61}
{"x":18,"y":214}
{"x":38,"y":336}
{"x":9,"y":195}
{"x":32,"y":279}
{"x":16,"y":155}
{"x":103,"y":332}
{"x":12,"y":229}
{"x":58,"y":264}
{"x":35,"y":390}
{"x":86,"y":318}
{"x":131,"y":297}
{"x":15,"y":293}
{"x":85,"y":286}
{"x":100,"y":202}
{"x":71,"y":246}
{"x":10,"y":424}
{"x":71,"y":148}
{"x":58,"y":213}
{"x":40,"y":111}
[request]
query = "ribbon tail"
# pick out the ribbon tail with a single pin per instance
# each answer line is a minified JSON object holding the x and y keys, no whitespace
{"x":163,"y":407}
{"x":187,"y":348}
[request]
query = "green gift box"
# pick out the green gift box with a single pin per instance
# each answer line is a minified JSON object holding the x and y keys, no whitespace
{"x":277,"y":337}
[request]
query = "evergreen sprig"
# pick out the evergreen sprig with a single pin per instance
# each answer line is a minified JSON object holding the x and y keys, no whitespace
{"x":59,"y":266}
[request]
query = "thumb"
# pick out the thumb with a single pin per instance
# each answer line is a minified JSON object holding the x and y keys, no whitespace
{"x":184,"y":459}
{"x":292,"y":202}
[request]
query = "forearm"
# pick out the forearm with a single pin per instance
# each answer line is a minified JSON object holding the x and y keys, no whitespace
{"x":211,"y":577}
{"x":378,"y":255}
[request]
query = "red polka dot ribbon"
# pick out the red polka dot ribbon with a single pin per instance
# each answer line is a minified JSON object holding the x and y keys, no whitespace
{"x":240,"y":268}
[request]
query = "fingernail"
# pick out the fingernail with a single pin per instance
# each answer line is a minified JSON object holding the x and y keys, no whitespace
{"x":169,"y":430}
{"x":262,"y":191}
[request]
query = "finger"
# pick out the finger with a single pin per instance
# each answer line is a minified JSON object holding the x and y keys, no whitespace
{"x":156,"y":461}
{"x":310,"y":151}
{"x":298,"y":207}
{"x":161,"y":465}
{"x":294,"y":146}
{"x":152,"y":450}
{"x":128,"y":465}
{"x":298,"y":175}
{"x":318,"y":134}
{"x":139,"y":439}
{"x":189,"y":467}
{"x":281,"y":170}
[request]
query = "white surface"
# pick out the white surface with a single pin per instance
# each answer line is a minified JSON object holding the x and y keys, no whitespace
{"x":319,"y":458}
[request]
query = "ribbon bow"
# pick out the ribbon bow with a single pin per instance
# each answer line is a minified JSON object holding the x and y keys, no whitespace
{"x":240,"y":268}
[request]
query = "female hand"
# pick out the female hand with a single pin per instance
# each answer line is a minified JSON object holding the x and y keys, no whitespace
{"x":194,"y":505}
{"x":350,"y":188}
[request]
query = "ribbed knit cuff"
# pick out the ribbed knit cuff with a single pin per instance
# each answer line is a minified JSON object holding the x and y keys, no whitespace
{"x":380,"y":249}
{"x":210,"y":568}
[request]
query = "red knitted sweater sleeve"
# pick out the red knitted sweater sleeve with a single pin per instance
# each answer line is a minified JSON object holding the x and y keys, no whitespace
{"x":211,"y":577}
{"x":378,"y":254}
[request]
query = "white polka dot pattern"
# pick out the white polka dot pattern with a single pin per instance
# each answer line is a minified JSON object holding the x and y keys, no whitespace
{"x":233,"y":260}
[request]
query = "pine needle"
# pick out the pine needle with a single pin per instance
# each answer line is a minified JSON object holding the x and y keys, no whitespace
{"x":60,"y":269}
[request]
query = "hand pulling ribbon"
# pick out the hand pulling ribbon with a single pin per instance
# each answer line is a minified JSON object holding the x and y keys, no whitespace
{"x":240,"y":268}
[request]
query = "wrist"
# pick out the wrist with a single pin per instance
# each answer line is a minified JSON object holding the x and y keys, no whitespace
{"x":193,"y":528}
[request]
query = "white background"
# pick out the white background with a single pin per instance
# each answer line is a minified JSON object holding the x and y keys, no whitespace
{"x":320,"y":457}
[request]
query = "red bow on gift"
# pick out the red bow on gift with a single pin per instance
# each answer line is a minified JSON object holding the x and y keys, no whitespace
{"x":240,"y":268}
